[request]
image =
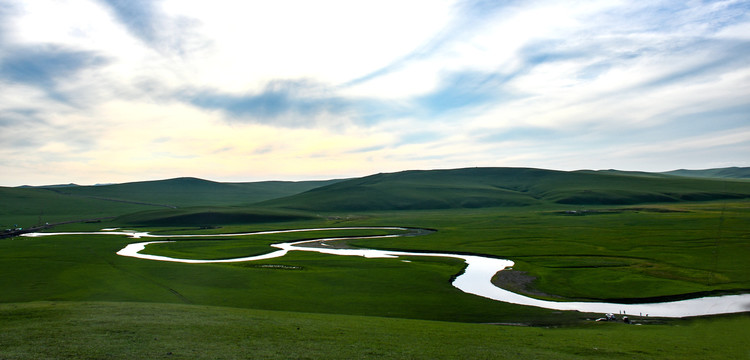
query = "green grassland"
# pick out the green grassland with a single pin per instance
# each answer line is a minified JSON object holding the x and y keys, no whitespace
{"x":225,"y":248}
{"x":623,"y":254}
{"x":63,"y":330}
{"x":574,"y":235}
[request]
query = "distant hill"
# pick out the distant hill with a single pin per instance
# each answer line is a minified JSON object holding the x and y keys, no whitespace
{"x":32,"y":206}
{"x":49,"y":186}
{"x":726,"y":173}
{"x":26,"y":206}
{"x":491,"y":187}
{"x":181,"y":192}
{"x":188,"y":200}
{"x":628,"y":173}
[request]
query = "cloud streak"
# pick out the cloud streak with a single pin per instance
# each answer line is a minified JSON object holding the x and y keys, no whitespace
{"x":249,"y":91}
{"x":45,"y":65}
{"x":140,"y":17}
{"x":145,"y":20}
{"x":284,"y":103}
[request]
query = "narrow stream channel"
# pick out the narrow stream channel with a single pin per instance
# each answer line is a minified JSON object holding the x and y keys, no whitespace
{"x":476,"y":278}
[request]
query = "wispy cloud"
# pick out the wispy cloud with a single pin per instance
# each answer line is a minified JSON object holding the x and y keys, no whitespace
{"x":469,"y":16}
{"x":146,"y":20}
{"x":307,"y":90}
{"x":464,"y":90}
{"x":141,"y":17}
{"x":46,"y":66}
{"x":284,"y":103}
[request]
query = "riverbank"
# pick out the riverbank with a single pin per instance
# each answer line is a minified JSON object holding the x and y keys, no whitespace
{"x":476,"y":278}
{"x":9,"y":233}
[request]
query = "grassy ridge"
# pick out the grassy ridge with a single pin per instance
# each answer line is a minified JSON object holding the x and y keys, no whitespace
{"x":496,"y":187}
{"x":409,"y":190}
{"x":29,"y":206}
{"x":64,"y":330}
{"x":730,"y":172}
{"x":183,"y":192}
{"x":32,"y":206}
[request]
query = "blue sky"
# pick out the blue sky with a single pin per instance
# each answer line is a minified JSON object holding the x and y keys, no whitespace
{"x":112,"y":91}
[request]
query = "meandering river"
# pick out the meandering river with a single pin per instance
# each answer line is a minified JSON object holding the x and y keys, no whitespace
{"x":476,"y":278}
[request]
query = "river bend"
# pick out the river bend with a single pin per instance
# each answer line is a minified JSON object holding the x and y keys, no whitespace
{"x":476,"y":278}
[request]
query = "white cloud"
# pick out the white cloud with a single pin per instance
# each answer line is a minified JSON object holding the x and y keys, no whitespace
{"x":394,"y":85}
{"x":81,"y":25}
{"x":328,"y":42}
{"x":739,"y":31}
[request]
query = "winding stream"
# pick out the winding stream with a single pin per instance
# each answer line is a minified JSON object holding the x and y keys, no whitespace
{"x":476,"y":278}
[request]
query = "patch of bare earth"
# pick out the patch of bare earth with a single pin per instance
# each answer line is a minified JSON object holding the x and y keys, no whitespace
{"x":519,"y":282}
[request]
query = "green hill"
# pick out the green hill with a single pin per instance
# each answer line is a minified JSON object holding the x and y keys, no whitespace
{"x":182,"y":192}
{"x":491,"y":187}
{"x":27,"y":206}
{"x":730,"y":172}
{"x":406,"y":190}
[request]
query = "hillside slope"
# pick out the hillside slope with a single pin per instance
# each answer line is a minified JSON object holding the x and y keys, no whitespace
{"x":729,"y":173}
{"x":25,"y":207}
{"x":491,"y":187}
{"x":182,"y":192}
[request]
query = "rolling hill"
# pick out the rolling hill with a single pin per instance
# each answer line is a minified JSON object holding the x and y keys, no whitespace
{"x":27,"y":206}
{"x":491,"y":187}
{"x":183,"y":192}
{"x":730,"y":173}
{"x":190,"y":200}
{"x":24,"y":207}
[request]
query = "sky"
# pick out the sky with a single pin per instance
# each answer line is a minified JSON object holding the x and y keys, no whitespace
{"x":109,"y":91}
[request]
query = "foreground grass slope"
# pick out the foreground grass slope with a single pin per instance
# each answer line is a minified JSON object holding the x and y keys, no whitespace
{"x":64,"y":330}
